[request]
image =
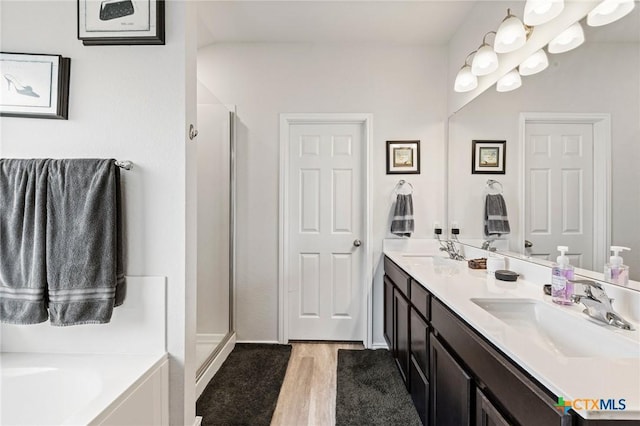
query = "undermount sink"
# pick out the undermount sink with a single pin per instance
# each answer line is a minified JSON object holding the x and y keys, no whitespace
{"x":559,"y":331}
{"x":440,"y":262}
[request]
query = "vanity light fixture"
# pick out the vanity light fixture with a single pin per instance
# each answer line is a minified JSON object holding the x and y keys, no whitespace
{"x":609,"y":11}
{"x":538,"y":12}
{"x":485,"y":60}
{"x":511,"y":35}
{"x":510,"y":81}
{"x":465,"y":79}
{"x":534,"y":63}
{"x":569,"y":39}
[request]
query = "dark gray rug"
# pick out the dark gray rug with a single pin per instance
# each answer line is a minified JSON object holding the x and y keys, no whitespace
{"x":245,"y":390}
{"x":370,"y":391}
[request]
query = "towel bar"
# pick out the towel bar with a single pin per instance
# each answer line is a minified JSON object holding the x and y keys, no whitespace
{"x":124,"y":164}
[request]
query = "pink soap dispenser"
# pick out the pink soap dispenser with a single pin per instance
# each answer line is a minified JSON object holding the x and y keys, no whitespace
{"x":561,"y":273}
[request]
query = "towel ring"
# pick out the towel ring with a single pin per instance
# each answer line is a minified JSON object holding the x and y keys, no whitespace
{"x":401,"y":183}
{"x":491,"y":182}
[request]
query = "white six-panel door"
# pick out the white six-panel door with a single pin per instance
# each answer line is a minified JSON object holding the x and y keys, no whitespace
{"x":559,"y":190}
{"x":325,"y":225}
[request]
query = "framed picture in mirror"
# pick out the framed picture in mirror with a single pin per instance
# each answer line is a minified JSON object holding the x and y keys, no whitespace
{"x":403,"y":157}
{"x":488,"y":157}
{"x":120,"y":22}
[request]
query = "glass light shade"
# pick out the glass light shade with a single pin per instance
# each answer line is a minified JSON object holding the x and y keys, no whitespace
{"x":511,"y":81}
{"x":465,"y":80}
{"x":609,"y":11}
{"x":534,"y":63}
{"x":569,"y":39}
{"x":510,"y":36}
{"x":538,"y":12}
{"x":485,"y":61}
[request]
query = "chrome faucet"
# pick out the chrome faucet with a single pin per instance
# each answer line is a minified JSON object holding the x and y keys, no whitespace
{"x":451,"y":249}
{"x":598,"y":304}
{"x":486,"y":245}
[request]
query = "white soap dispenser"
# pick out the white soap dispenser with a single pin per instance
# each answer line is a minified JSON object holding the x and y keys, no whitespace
{"x":616,"y":271}
{"x":562,"y":271}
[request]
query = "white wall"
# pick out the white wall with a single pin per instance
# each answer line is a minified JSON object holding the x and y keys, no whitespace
{"x":597,"y":78}
{"x":401,"y":85}
{"x":130,"y":103}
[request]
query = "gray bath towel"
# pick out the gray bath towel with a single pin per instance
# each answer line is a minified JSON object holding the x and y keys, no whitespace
{"x":402,"y":223}
{"x":496,"y":221}
{"x":60,"y":241}
{"x":23,"y":276}
{"x":84,"y":244}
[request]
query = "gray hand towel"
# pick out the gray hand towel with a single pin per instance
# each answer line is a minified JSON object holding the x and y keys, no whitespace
{"x":23,"y":280}
{"x":496,"y":221}
{"x":402,"y":223}
{"x":84,"y":256}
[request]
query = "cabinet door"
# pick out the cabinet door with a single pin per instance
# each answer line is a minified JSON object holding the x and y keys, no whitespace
{"x":401,"y":312}
{"x":420,"y":341}
{"x":388,"y":313}
{"x":486,"y":413}
{"x":419,"y":391}
{"x":451,"y":389}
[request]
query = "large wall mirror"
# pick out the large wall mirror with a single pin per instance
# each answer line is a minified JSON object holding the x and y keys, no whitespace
{"x":572,"y":163}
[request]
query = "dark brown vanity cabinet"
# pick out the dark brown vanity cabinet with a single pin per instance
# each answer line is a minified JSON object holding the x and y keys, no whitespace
{"x":401,"y":332}
{"x":455,"y":376}
{"x":419,"y":363}
{"x":486,"y":413}
{"x":452,"y":387}
{"x":388,"y":313}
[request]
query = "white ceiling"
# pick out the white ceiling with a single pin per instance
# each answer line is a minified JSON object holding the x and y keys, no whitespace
{"x":357,"y":21}
{"x":360,"y":21}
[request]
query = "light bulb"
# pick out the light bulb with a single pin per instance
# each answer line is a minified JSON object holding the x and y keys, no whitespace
{"x":510,"y":81}
{"x":511,"y":35}
{"x":569,"y":39}
{"x":534,"y":63}
{"x":609,"y":11}
{"x":485,"y":61}
{"x":465,"y":80}
{"x":537,"y":12}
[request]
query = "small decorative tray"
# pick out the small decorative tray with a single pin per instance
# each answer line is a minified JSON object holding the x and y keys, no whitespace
{"x":478,"y":263}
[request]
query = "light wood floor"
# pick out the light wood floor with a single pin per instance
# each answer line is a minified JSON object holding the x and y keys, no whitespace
{"x":308,"y":393}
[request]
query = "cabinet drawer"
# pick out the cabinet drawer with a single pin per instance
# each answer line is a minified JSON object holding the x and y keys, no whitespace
{"x":421,"y":299}
{"x":419,"y":391}
{"x":525,"y":400}
{"x":420,"y":341}
{"x":397,"y":275}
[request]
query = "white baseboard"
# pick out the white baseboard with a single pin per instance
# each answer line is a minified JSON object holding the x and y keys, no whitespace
{"x":209,"y":337}
{"x":268,"y":342}
{"x":379,"y":346}
{"x":215,"y":365}
{"x":198,"y":421}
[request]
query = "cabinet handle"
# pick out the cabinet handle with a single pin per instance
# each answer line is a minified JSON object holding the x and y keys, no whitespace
{"x":357,"y":243}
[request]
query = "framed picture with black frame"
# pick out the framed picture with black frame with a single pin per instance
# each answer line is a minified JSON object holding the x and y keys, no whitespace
{"x":488,"y":157}
{"x":34,"y":85}
{"x":403,"y":157}
{"x":121,"y":22}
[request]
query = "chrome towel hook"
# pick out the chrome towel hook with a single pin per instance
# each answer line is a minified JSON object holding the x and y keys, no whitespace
{"x":401,"y":183}
{"x":492,"y":182}
{"x":193,"y":133}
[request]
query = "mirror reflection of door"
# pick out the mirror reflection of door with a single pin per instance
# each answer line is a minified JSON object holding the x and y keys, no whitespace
{"x":559,"y":164}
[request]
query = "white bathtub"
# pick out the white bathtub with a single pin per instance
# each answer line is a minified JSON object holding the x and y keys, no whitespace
{"x":65,"y":389}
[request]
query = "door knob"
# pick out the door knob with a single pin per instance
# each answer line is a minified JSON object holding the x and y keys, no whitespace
{"x":357,"y":243}
{"x":528,"y":244}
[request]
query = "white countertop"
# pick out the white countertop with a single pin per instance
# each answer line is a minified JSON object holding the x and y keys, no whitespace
{"x":570,"y":377}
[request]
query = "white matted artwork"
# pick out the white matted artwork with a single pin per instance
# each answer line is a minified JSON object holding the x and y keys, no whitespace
{"x":403,"y":157}
{"x":34,"y":85}
{"x":488,"y":157}
{"x":117,"y":22}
